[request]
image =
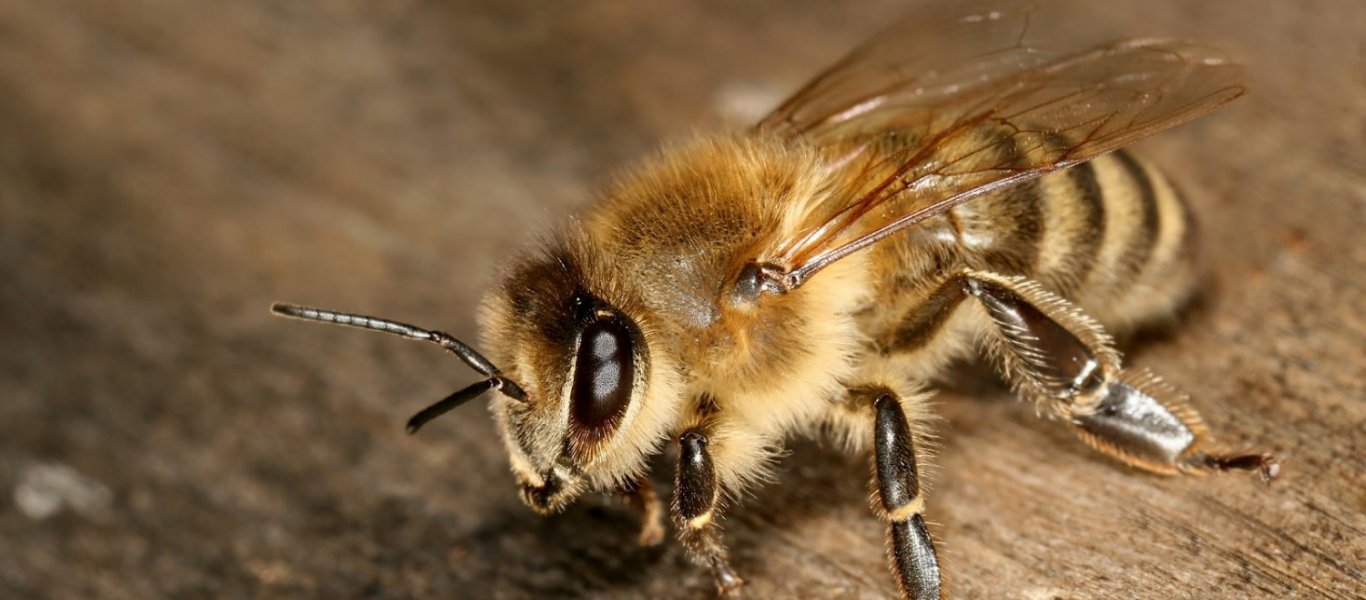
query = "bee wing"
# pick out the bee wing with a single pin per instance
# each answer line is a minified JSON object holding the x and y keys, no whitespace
{"x":954,"y":103}
{"x":920,"y":59}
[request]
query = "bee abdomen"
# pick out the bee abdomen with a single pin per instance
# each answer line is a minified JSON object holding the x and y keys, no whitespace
{"x":1141,"y":268}
{"x":1111,"y":234}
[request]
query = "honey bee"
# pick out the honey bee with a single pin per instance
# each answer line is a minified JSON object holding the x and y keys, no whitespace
{"x":948,"y":189}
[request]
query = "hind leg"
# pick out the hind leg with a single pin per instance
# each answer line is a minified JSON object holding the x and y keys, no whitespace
{"x":1052,"y":352}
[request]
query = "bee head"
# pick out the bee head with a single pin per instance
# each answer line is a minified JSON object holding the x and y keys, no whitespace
{"x":576,"y":344}
{"x":570,"y":369}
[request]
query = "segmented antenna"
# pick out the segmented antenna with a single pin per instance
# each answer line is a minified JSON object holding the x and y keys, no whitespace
{"x":468,"y":355}
{"x":450,"y":403}
{"x":471,"y":357}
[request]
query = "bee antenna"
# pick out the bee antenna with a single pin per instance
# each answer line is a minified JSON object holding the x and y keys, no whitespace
{"x":469,"y":355}
{"x":454,"y":400}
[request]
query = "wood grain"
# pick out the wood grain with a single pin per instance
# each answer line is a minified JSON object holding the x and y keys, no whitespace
{"x":169,"y":168}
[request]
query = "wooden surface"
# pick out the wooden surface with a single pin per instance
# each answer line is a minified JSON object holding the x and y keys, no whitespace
{"x":168,"y":168}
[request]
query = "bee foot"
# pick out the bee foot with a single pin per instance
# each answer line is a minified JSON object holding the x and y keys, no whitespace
{"x":651,"y":534}
{"x":728,"y":584}
{"x":1266,"y":465}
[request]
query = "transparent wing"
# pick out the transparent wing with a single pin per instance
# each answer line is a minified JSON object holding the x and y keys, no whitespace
{"x":921,"y":59}
{"x":910,"y":136}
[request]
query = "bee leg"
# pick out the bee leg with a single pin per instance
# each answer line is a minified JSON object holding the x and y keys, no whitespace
{"x":697,"y":499}
{"x":1051,"y":351}
{"x":641,"y":496}
{"x":900,"y":502}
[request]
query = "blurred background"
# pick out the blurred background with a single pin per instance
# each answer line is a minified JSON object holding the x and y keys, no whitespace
{"x":168,"y":168}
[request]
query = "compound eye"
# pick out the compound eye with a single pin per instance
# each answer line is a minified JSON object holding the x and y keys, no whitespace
{"x":603,"y":371}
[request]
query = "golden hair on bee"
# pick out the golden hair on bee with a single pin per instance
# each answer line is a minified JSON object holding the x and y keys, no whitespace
{"x":818,"y":273}
{"x":663,"y":249}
